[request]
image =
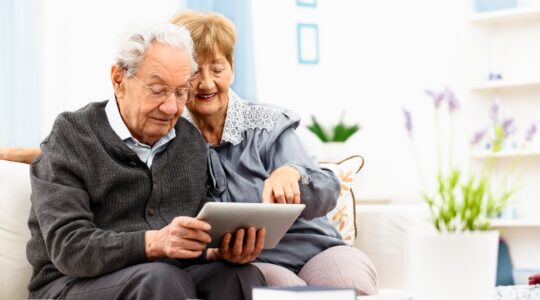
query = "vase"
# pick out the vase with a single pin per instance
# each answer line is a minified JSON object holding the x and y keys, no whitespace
{"x":450,"y":266}
{"x":333,"y":152}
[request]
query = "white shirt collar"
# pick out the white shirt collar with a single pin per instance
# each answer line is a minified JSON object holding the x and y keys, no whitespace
{"x":115,"y":119}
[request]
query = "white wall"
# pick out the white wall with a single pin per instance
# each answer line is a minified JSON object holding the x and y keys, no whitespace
{"x":375,"y":58}
{"x":78,"y":41}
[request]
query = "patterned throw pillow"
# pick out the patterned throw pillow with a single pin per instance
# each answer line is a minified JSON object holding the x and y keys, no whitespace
{"x":343,"y":216}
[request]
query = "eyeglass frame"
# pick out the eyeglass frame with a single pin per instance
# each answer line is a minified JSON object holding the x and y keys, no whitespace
{"x":189,"y":90}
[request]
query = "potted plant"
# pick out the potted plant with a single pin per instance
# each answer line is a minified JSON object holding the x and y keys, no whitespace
{"x":333,"y":139}
{"x":458,"y":259}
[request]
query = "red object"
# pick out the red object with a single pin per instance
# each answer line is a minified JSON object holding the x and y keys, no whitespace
{"x":534,"y":279}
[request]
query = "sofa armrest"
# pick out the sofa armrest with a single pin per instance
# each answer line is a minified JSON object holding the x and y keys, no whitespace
{"x":14,"y":233}
{"x":384,"y":234}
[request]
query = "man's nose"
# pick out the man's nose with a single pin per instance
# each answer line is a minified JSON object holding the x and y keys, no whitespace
{"x":171,"y":105}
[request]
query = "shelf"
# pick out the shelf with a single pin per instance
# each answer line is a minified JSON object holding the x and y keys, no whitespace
{"x":506,"y":154}
{"x":506,"y":16}
{"x":499,"y":85}
{"x":506,"y":223}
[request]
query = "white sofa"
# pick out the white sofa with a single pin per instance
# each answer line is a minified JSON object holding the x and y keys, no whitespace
{"x":15,"y":271}
{"x":15,"y":207}
{"x":383,"y":232}
{"x":385,"y":235}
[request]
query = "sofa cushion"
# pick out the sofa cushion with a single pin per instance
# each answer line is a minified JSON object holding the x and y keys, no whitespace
{"x":343,"y":216}
{"x":14,"y":210}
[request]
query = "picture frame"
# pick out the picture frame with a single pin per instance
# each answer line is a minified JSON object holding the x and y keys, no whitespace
{"x":306,"y":3}
{"x":308,"y":43}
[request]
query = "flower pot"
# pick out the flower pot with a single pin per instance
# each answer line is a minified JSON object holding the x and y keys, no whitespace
{"x":333,"y":152}
{"x":454,"y":265}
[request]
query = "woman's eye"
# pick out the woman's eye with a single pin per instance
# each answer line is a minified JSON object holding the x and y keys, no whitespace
{"x":218,"y":68}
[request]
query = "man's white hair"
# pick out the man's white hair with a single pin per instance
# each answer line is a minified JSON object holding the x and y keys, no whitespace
{"x":134,"y":45}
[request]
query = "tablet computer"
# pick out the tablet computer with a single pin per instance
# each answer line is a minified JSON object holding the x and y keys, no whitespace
{"x":229,"y":216}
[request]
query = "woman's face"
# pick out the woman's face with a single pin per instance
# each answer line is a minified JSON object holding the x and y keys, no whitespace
{"x":211,"y":86}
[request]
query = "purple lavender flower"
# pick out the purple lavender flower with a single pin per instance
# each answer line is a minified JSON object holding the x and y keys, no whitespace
{"x":478,"y":136}
{"x":494,"y":111}
{"x":453,"y":103}
{"x":437,"y":97}
{"x":531,"y":132}
{"x":408,"y":121}
{"x":508,"y":126}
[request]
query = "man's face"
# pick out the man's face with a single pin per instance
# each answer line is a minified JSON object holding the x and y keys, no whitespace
{"x":147,"y":117}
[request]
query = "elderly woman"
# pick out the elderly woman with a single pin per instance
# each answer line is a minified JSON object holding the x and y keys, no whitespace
{"x":256,"y":156}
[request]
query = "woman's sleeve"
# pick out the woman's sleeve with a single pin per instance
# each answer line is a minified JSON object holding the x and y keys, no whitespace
{"x":319,"y":187}
{"x":62,"y":207}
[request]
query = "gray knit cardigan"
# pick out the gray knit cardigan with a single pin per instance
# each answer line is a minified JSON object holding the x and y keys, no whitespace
{"x":93,"y":198}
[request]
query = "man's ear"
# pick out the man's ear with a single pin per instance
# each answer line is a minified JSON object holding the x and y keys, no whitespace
{"x":117,"y":77}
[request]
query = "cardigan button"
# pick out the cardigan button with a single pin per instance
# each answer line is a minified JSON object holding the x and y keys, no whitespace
{"x":151,"y":212}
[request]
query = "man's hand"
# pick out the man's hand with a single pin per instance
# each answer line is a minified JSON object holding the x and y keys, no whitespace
{"x":282,"y":186}
{"x":184,"y":237}
{"x":243,"y":250}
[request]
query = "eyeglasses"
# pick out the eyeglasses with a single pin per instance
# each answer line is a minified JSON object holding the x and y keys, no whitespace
{"x":159,"y":93}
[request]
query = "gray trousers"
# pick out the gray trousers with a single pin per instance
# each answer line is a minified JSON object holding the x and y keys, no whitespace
{"x":217,"y":280}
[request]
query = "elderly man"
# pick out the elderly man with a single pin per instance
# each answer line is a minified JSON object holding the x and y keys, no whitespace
{"x":117,"y":185}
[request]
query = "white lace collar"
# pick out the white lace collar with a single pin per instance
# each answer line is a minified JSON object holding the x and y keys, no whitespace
{"x":241,"y":116}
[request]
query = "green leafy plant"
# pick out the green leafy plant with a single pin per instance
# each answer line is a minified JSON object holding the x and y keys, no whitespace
{"x":460,"y":201}
{"x":340,"y":132}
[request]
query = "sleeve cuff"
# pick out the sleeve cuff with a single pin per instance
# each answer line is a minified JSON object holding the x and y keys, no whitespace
{"x":305,"y":179}
{"x":134,"y":245}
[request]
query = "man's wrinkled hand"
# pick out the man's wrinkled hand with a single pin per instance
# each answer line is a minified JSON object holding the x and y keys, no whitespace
{"x":184,"y":237}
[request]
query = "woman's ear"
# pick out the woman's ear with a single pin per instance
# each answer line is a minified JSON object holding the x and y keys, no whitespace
{"x":232,"y":72}
{"x":231,"y":64}
{"x":117,"y":77}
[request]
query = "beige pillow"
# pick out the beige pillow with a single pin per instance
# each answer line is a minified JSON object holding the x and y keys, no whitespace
{"x":14,"y":233}
{"x":343,"y":216}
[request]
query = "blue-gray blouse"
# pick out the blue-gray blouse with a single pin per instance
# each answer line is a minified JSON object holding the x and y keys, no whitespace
{"x":256,"y":140}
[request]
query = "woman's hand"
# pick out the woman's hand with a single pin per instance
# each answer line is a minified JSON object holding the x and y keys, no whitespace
{"x":19,"y":154}
{"x":243,"y":250}
{"x":282,"y":186}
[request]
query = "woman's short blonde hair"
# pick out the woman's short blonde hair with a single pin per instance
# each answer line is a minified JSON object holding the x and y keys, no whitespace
{"x":208,"y":31}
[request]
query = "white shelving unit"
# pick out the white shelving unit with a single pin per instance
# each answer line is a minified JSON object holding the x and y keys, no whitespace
{"x":506,"y":16}
{"x":507,"y":154}
{"x":523,"y":239}
{"x":499,"y":18}
{"x":506,"y":223}
{"x":501,"y":85}
{"x":506,"y":41}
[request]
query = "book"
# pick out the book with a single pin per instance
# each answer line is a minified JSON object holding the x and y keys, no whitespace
{"x":303,"y":293}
